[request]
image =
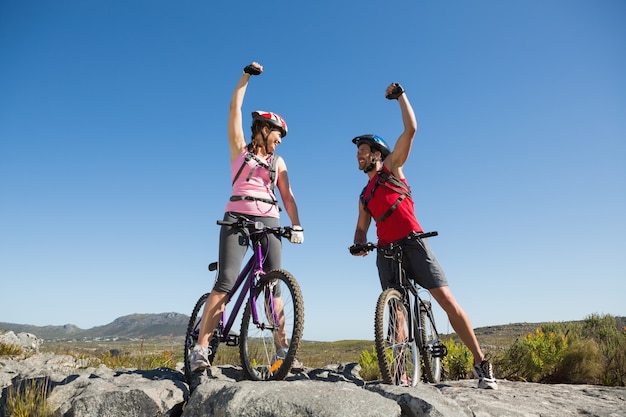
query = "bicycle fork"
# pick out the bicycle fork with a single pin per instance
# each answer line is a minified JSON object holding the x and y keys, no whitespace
{"x":432,"y":347}
{"x":270,"y":307}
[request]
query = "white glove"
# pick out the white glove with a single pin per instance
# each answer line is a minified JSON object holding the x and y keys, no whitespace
{"x":297,"y":235}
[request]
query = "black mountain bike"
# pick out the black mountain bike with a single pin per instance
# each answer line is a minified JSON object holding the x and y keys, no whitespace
{"x":273,"y":318}
{"x":404,"y":326}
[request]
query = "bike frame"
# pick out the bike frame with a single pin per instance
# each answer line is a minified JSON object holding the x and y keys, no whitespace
{"x":410,"y":290}
{"x":252,"y":269}
{"x":413,"y":302}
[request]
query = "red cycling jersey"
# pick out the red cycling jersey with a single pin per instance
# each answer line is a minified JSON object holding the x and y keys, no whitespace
{"x":379,"y":197}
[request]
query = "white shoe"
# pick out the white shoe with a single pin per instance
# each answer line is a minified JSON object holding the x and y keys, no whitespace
{"x":200,"y":358}
{"x":484,"y":373}
{"x":282,"y":354}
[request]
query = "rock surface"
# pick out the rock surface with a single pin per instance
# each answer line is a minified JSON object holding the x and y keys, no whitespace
{"x":75,"y":391}
{"x":27,"y":341}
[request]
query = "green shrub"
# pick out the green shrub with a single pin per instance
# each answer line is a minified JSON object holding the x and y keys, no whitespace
{"x":369,"y":365}
{"x":581,"y":364}
{"x":458,"y":363}
{"x":535,"y":358}
{"x":589,"y":352}
{"x":611,"y":342}
{"x":615,"y":371}
{"x":603,"y":329}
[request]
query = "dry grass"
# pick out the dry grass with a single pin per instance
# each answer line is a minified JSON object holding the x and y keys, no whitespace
{"x":29,"y":399}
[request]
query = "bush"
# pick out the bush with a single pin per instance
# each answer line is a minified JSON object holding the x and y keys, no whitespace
{"x":611,"y":342}
{"x":369,"y":365}
{"x":29,"y":399}
{"x":10,"y":349}
{"x":581,"y":364}
{"x":590,"y":352}
{"x":534,"y":358}
{"x":615,"y":372}
{"x":459,"y":362}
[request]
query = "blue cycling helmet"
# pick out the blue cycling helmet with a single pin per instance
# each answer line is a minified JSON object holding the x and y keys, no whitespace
{"x":375,"y":142}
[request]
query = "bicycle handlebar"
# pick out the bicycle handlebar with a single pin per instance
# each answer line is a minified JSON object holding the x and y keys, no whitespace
{"x":363,"y":247}
{"x":244,"y":223}
{"x":369,"y":246}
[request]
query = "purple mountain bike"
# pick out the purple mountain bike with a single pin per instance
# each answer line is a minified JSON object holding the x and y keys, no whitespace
{"x":273,"y":318}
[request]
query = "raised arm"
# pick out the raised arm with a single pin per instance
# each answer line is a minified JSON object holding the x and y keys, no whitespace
{"x":236,"y":137}
{"x":286,"y":193}
{"x":396,"y":160}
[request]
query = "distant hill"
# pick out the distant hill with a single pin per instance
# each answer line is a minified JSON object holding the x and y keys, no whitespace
{"x":168,"y":325}
{"x":133,"y":326}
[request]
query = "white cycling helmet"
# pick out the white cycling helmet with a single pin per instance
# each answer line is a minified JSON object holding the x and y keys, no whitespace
{"x":272,"y":118}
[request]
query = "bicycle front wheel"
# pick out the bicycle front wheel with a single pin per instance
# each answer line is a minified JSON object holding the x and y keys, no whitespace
{"x":433,"y":348}
{"x":396,"y":349}
{"x":192,"y":334}
{"x":271,"y":327}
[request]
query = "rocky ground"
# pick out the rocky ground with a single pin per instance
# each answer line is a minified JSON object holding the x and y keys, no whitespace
{"x":76,"y":390}
{"x":335,"y":390}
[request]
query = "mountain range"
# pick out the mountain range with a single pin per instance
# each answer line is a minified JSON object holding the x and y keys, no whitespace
{"x":147,"y":326}
{"x":172,"y":325}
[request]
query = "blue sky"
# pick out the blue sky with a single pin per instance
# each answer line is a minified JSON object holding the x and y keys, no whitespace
{"x":114,"y":159}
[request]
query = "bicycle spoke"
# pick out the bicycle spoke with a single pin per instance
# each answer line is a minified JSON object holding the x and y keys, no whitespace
{"x":191,"y":335}
{"x":434,"y":350}
{"x":396,"y":350}
{"x":270,"y":340}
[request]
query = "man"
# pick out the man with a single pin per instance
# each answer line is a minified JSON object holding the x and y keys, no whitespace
{"x":387,"y":199}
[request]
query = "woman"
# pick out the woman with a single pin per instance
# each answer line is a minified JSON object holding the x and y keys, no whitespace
{"x":255,"y":170}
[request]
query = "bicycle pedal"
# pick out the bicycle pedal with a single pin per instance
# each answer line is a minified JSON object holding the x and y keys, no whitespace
{"x":439,"y":350}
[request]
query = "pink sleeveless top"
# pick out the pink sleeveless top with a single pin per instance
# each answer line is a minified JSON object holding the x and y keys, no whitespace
{"x":253,"y":181}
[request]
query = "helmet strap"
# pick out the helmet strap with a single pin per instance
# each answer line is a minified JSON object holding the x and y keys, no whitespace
{"x":371,"y":166}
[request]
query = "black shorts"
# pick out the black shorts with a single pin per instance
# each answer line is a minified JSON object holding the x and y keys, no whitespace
{"x":418,"y":261}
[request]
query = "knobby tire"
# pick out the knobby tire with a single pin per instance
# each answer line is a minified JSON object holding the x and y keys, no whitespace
{"x":257,"y":345}
{"x":429,"y":335}
{"x":192,"y":333}
{"x":398,"y":356}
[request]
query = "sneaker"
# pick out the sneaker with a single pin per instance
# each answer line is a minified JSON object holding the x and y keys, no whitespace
{"x":484,"y":373}
{"x":199,"y":358}
{"x":282,"y":354}
{"x":297,"y":365}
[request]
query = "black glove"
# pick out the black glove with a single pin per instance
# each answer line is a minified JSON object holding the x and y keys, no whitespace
{"x":363,"y":247}
{"x":396,"y":92}
{"x":252,"y":70}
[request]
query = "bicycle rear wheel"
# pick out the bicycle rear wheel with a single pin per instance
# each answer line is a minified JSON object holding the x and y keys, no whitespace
{"x":191,"y":336}
{"x":279,"y":327}
{"x":397,"y":352}
{"x":434,"y":350}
